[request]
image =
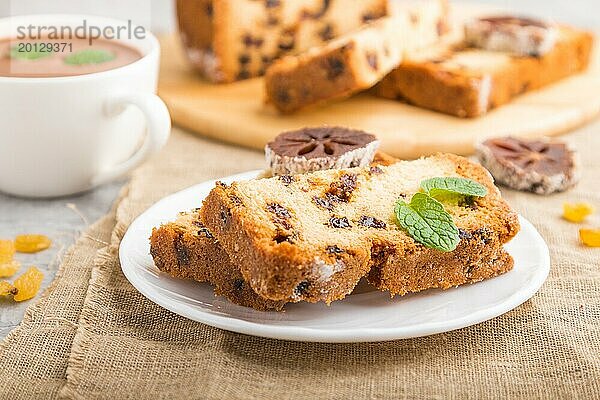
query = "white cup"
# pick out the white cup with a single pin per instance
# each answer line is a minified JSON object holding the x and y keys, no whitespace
{"x":65,"y":135}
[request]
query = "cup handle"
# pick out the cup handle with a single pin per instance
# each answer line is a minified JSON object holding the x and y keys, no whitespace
{"x":158,"y":122}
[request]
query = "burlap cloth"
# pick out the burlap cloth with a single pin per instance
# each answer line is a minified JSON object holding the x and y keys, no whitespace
{"x":92,"y":335}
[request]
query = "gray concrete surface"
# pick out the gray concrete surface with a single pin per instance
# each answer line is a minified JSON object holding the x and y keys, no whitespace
{"x":62,"y":220}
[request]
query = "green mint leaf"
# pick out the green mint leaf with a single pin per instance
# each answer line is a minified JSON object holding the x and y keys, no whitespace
{"x":441,"y":187}
{"x":89,"y":56}
{"x":426,"y":221}
{"x":31,"y":55}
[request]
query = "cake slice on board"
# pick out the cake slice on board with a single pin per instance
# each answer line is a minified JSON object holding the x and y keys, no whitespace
{"x":468,"y":82}
{"x":338,"y":69}
{"x":355,"y":61}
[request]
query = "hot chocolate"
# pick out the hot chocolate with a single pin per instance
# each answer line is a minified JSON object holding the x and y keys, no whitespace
{"x":64,"y":57}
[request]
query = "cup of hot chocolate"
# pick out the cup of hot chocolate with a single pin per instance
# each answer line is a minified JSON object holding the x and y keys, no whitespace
{"x":77,"y":110}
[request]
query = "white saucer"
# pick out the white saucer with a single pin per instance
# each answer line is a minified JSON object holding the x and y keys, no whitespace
{"x":366,"y":317}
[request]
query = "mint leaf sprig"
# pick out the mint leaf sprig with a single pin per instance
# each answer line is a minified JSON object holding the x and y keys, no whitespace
{"x":425,"y":218}
{"x":426,"y":221}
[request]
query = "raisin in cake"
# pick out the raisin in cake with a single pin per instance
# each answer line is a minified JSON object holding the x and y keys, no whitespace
{"x":185,"y":249}
{"x":315,"y":236}
{"x":468,"y":82}
{"x":355,"y":61}
{"x":229,"y":40}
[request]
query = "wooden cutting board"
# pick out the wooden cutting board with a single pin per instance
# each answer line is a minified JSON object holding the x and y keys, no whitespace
{"x":235,"y":112}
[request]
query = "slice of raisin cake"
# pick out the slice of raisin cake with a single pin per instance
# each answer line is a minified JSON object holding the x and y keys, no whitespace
{"x":228,"y":40}
{"x":355,"y":61}
{"x":468,"y":82}
{"x":315,"y":236}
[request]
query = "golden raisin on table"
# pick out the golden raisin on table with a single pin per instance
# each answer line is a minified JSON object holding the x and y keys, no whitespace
{"x":8,"y":269}
{"x":577,"y":212}
{"x":590,"y":237}
{"x":6,"y":289}
{"x":7,"y":251}
{"x":32,"y":243}
{"x":28,"y":284}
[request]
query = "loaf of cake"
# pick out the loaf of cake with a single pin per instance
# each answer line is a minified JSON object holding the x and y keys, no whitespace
{"x":468,"y":82}
{"x":228,"y":40}
{"x":355,"y":61}
{"x":185,"y":249}
{"x":314,"y":236}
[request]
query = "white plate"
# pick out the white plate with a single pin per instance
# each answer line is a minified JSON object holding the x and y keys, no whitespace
{"x":366,"y":317}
